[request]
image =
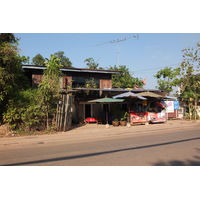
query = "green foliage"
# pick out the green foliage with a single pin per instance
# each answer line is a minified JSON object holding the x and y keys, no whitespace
{"x":90,"y":83}
{"x":124,"y":79}
{"x":8,"y":38}
{"x":167,"y":78}
{"x":33,"y":109}
{"x":24,"y":108}
{"x":25,"y":60}
{"x":12,"y":78}
{"x":124,"y":115}
{"x":23,"y":112}
{"x":64,"y":61}
{"x":91,"y":63}
{"x":49,"y":88}
{"x":38,"y":60}
{"x":189,"y":82}
{"x":184,"y":78}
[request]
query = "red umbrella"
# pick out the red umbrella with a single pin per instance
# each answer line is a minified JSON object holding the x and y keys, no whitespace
{"x":160,"y":104}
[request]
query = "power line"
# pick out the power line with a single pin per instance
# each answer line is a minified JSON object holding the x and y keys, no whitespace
{"x":154,"y":68}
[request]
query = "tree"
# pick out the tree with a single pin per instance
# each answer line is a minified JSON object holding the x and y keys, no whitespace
{"x":91,"y":63}
{"x":190,"y":83}
{"x":38,"y":60}
{"x":49,"y":88}
{"x":124,"y":79}
{"x":12,"y":78}
{"x":64,"y":61}
{"x":8,"y":38}
{"x":33,"y":109}
{"x":167,"y":78}
{"x":184,"y":77}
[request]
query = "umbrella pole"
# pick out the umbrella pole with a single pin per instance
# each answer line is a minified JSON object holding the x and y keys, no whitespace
{"x":128,"y":123}
{"x":107,"y":125}
{"x":107,"y":117}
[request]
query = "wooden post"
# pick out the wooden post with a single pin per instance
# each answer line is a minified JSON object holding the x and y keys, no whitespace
{"x":59,"y":114}
{"x":66,"y":112}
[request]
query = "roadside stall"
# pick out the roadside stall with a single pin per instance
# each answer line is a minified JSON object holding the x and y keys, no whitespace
{"x":129,"y":96}
{"x":151,"y":111}
{"x":105,"y":101}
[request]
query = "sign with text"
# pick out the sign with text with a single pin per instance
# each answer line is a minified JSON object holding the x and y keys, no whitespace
{"x":176,"y":105}
{"x":169,"y":106}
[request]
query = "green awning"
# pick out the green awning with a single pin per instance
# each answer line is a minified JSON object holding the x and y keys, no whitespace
{"x":149,"y":94}
{"x":106,"y":100}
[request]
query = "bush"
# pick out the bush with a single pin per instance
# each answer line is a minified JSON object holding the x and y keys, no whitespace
{"x":24,"y":112}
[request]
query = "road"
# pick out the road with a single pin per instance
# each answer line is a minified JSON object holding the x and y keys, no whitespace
{"x":178,"y":147}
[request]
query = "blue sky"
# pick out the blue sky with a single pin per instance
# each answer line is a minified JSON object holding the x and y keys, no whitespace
{"x":152,"y":50}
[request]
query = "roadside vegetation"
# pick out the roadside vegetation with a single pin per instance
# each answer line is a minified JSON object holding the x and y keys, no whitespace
{"x":185,"y":79}
{"x":27,"y":109}
{"x":22,"y":107}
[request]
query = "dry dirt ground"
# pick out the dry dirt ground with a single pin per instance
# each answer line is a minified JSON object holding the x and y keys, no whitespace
{"x":95,"y":132}
{"x":4,"y":131}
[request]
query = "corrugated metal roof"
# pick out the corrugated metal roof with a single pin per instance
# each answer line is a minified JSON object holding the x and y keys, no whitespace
{"x":119,"y":90}
{"x":74,"y":69}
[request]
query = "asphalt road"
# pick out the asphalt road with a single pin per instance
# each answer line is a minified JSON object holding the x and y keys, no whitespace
{"x":170,"y":147}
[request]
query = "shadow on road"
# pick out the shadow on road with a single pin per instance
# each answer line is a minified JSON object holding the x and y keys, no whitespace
{"x":173,"y":163}
{"x":180,"y":163}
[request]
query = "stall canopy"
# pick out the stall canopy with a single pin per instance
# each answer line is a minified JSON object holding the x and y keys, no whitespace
{"x":150,"y":94}
{"x":160,"y":104}
{"x":170,"y":98}
{"x":106,"y":101}
{"x":129,"y":95}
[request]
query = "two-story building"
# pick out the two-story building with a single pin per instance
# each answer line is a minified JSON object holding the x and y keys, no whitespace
{"x":75,"y":82}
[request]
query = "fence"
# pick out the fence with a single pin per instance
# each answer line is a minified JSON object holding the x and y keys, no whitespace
{"x":64,"y":112}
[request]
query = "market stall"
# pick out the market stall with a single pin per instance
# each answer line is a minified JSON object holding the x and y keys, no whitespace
{"x":151,"y":111}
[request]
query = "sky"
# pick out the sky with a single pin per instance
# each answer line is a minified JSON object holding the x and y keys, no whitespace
{"x":143,"y":56}
{"x":164,"y":27}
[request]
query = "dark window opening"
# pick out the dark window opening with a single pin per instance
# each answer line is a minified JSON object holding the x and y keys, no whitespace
{"x":81,"y":81}
{"x":87,"y":110}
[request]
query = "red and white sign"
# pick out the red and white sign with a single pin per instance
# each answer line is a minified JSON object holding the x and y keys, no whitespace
{"x":170,"y":106}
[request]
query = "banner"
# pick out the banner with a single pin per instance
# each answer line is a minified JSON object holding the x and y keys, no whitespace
{"x":169,"y":106}
{"x":176,"y":105}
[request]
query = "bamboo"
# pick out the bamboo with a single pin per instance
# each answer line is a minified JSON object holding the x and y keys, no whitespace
{"x":57,"y":106}
{"x":66,"y":113}
{"x":62,"y":113}
{"x":70,"y":112}
{"x":59,"y":114}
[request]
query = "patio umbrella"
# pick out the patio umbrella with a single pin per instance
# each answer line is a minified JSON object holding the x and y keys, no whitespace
{"x":129,"y":95}
{"x":106,"y":101}
{"x":160,"y":104}
{"x":150,"y":94}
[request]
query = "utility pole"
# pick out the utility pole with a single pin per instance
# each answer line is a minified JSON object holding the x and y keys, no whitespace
{"x":119,"y":40}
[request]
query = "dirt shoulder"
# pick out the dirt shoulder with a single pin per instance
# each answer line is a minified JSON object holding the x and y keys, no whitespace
{"x":99,"y":132}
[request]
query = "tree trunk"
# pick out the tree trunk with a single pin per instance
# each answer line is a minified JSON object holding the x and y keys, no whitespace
{"x":47,"y":119}
{"x":195,"y":109}
{"x":190,"y":110}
